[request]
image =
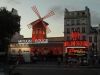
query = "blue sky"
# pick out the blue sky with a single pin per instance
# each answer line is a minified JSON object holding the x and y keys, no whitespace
{"x":56,"y":22}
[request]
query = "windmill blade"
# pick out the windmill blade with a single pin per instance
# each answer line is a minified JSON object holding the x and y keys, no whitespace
{"x":51,"y":13}
{"x":48,"y":30}
{"x":29,"y":26}
{"x":36,"y":11}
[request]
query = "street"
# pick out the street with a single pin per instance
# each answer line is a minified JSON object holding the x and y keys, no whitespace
{"x":39,"y":69}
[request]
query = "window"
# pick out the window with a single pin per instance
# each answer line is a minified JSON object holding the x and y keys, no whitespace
{"x":68,"y":30}
{"x":73,"y":13}
{"x":95,"y":38}
{"x":78,"y":22}
{"x":78,"y":29}
{"x":72,"y":29}
{"x":11,"y":45}
{"x":83,"y":29}
{"x":83,"y":13}
{"x":68,"y":22}
{"x":72,"y":21}
{"x":78,"y":13}
{"x":70,"y":14}
{"x":68,"y":38}
{"x":83,"y":21}
{"x":90,"y":39}
{"x":83,"y":37}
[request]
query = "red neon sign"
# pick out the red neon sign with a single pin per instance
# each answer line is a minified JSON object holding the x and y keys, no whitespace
{"x":76,"y":51}
{"x":76,"y":43}
{"x":75,"y":35}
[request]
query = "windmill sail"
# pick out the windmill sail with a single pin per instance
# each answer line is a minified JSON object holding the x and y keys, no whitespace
{"x":39,"y":27}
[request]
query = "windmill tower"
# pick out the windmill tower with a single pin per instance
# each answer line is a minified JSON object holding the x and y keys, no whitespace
{"x":39,"y":27}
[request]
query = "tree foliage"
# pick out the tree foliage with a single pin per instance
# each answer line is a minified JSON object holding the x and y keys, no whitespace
{"x":9,"y":23}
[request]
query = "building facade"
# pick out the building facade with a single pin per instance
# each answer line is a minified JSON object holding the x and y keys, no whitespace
{"x":80,"y":40}
{"x":28,"y":49}
{"x":80,"y":22}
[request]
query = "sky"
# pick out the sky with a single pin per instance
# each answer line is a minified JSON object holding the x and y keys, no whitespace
{"x":56,"y":22}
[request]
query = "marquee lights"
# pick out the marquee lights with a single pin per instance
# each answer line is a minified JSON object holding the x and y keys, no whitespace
{"x":36,"y":41}
{"x":76,"y":51}
{"x":40,"y":41}
{"x":75,"y":35}
{"x":25,"y":41}
{"x":75,"y":41}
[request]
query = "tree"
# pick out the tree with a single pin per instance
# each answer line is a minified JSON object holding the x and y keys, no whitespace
{"x":9,"y":25}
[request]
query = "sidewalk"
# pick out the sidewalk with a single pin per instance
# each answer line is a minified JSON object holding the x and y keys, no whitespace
{"x":55,"y":64}
{"x":1,"y":73}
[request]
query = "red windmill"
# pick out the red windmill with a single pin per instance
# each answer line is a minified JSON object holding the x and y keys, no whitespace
{"x":40,"y":27}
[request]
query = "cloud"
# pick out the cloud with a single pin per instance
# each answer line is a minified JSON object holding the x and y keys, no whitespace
{"x":95,"y":18}
{"x":13,"y":1}
{"x":59,"y":12}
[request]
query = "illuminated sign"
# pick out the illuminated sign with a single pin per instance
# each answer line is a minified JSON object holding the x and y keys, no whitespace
{"x":76,"y":46}
{"x":76,"y":51}
{"x":40,"y":41}
{"x":25,"y":41}
{"x":37,"y":41}
{"x":76,"y":43}
{"x":75,"y":35}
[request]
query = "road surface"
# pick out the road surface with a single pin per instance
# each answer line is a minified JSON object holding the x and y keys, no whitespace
{"x":30,"y":69}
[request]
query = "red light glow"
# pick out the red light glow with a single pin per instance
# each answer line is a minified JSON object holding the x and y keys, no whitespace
{"x":76,"y":43}
{"x":76,"y":51}
{"x":75,"y":35}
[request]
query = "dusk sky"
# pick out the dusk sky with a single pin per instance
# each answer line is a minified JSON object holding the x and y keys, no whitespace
{"x":56,"y":22}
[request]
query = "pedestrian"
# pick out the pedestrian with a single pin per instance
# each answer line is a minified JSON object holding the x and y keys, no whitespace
{"x":20,"y":57}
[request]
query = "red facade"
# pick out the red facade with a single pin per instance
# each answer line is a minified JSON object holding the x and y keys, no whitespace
{"x":55,"y":48}
{"x":38,"y":30}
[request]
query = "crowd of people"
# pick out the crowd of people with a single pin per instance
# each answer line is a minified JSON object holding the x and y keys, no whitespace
{"x":37,"y":56}
{"x":47,"y":56}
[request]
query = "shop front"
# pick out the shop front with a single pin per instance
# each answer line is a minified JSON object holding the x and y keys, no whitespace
{"x":76,"y":55}
{"x":49,"y":51}
{"x":76,"y":51}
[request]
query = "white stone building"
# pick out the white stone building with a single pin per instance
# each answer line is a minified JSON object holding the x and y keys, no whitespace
{"x":80,"y":21}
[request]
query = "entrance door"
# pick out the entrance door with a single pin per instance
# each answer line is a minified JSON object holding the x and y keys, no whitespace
{"x":76,"y":54}
{"x":26,"y":55}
